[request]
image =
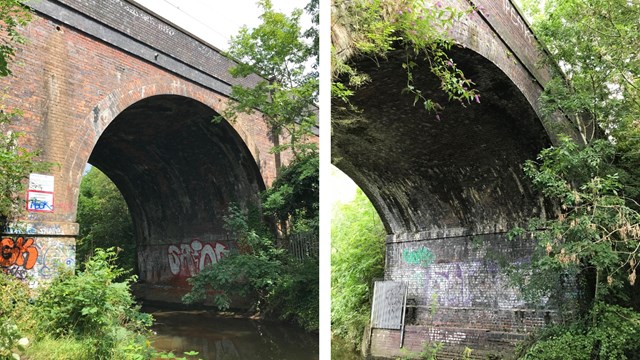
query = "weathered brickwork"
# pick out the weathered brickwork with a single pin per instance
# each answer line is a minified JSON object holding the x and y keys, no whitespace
{"x":449,"y":187}
{"x":459,"y":295}
{"x":144,"y":121}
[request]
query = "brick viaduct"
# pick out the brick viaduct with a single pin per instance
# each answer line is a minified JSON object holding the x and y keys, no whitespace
{"x":108,"y":83}
{"x":449,"y":190}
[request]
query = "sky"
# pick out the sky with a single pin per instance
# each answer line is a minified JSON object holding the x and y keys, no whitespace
{"x":214,"y":21}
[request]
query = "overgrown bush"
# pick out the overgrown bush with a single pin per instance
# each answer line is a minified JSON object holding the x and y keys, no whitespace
{"x":268,"y":277}
{"x":614,"y":336}
{"x":95,"y":309}
{"x":15,"y":316}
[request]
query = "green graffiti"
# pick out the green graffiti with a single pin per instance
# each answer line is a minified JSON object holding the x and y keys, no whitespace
{"x":420,"y":256}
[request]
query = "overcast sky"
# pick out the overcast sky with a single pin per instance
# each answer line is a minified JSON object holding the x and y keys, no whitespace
{"x":215,"y":21}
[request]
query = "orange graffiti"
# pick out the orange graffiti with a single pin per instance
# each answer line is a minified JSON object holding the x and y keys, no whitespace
{"x":19,"y":252}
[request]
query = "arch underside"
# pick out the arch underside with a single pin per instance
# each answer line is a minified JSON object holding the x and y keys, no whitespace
{"x":179,"y":172}
{"x":463,"y":171}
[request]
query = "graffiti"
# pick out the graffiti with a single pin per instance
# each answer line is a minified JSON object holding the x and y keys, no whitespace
{"x":517,"y":20}
{"x":189,"y":259}
{"x":18,"y":272}
{"x":450,"y":283}
{"x":37,"y":204}
{"x":446,"y":336}
{"x":52,"y":255}
{"x":18,"y":252}
{"x":33,"y":229}
{"x":421,"y":256}
{"x":145,"y":17}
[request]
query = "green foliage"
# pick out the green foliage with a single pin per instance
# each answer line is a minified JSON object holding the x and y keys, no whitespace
{"x":13,"y":15}
{"x":277,"y":51}
{"x":296,"y":294}
{"x":375,"y":28}
{"x":591,"y":248}
{"x":293,"y":197}
{"x":11,"y":340}
{"x":261,"y":272}
{"x":15,"y":316}
{"x":357,"y":257}
{"x":86,"y":316}
{"x":594,"y":42}
{"x":94,"y":308}
{"x":613,"y":337}
{"x":596,"y":233}
{"x":61,"y":348}
{"x":104,"y":220}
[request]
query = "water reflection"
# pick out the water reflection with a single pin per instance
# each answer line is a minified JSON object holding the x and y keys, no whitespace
{"x":218,"y":337}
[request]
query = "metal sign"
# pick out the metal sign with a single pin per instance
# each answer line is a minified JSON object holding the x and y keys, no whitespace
{"x":389,"y":300}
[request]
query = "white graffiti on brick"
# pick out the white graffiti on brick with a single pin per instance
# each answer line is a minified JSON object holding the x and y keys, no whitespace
{"x":189,"y":259}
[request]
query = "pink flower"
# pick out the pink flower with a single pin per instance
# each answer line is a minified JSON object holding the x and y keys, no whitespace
{"x":478,"y":98}
{"x":438,"y":4}
{"x":437,"y":117}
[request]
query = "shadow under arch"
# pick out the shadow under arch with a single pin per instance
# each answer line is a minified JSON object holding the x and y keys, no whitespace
{"x":178,"y":173}
{"x":461,"y":172}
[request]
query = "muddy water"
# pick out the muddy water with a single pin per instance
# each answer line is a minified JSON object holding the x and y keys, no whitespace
{"x":218,"y":337}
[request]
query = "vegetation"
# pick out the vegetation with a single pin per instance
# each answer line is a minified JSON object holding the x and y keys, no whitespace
{"x":104,"y":220}
{"x":357,"y":257}
{"x":261,"y":270}
{"x":590,"y":250}
{"x":88,"y":315}
{"x":376,"y":28}
{"x":286,"y":58}
{"x":276,"y":283}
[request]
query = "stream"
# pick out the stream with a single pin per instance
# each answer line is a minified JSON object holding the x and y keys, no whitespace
{"x":226,"y":337}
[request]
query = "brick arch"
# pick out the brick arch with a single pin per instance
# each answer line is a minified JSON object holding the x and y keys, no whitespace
{"x":177,"y":171}
{"x":112,"y":104}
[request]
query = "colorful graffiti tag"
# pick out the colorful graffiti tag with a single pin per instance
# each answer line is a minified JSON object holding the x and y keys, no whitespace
{"x":18,"y":255}
{"x":52,"y":255}
{"x":186,"y":260}
{"x":421,"y":256}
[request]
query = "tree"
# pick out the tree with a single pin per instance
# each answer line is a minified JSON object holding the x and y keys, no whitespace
{"x":285,"y":56}
{"x":595,"y":185}
{"x":357,"y":257}
{"x":104,"y":220}
{"x":594,"y":237}
{"x":16,"y":161}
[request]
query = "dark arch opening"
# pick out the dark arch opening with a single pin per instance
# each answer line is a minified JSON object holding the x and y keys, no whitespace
{"x":462,"y":172}
{"x":178,"y":172}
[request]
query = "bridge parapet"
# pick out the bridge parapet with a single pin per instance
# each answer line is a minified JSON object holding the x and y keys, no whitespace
{"x":143,"y":34}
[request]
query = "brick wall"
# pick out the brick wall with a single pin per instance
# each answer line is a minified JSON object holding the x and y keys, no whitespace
{"x":459,"y":296}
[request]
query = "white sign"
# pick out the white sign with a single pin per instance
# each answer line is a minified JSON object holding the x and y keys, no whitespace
{"x":39,"y":201}
{"x":41,"y":182}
